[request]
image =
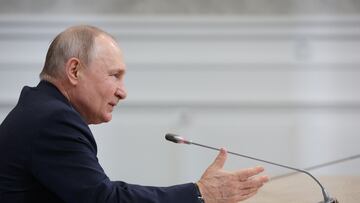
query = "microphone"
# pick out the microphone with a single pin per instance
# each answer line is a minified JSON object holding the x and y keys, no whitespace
{"x":180,"y":140}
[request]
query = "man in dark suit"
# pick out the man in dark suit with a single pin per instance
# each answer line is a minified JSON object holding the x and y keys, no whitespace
{"x":48,"y":153}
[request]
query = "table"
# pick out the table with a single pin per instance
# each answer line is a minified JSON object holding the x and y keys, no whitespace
{"x":301,"y":188}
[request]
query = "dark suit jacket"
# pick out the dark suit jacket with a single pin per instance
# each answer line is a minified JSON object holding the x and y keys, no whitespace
{"x":48,"y":154}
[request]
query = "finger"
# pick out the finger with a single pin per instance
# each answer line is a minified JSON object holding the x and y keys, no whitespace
{"x":264,"y":179}
{"x":246,"y":196}
{"x":246,"y":173}
{"x":254,"y":182}
{"x":235,"y":194}
{"x":219,"y":161}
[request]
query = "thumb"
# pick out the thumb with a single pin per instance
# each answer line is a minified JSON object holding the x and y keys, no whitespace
{"x":219,"y":161}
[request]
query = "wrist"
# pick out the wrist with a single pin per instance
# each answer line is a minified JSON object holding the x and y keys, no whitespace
{"x":198,"y":193}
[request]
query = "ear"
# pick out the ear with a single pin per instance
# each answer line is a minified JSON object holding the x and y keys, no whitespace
{"x":72,"y":68}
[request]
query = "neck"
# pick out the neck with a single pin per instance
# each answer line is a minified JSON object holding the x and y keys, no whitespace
{"x":61,"y":85}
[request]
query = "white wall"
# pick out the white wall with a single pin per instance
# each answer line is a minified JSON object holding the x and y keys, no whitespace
{"x":183,"y":7}
{"x":279,"y":88}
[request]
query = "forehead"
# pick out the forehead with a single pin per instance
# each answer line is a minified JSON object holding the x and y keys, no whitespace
{"x":108,"y":52}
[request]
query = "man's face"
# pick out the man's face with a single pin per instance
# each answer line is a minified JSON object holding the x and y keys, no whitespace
{"x":101,"y":84}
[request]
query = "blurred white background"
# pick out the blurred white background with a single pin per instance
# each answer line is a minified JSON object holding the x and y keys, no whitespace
{"x":278,"y":80}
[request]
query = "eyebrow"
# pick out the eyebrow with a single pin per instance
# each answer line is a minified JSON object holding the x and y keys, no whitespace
{"x":120,"y":71}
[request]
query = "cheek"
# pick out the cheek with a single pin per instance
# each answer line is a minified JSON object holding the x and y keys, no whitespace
{"x":108,"y":90}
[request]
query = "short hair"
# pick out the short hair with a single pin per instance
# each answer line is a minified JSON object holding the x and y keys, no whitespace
{"x":77,"y":41}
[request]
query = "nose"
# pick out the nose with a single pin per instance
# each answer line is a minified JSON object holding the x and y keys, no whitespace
{"x":121,"y":93}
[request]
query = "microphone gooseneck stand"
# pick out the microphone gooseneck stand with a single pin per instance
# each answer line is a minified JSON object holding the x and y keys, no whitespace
{"x":180,"y":140}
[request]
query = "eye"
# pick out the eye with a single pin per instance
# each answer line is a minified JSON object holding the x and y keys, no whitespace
{"x":116,"y":75}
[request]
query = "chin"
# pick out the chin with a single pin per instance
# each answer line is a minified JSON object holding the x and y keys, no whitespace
{"x":104,"y":119}
{"x":107,"y":118}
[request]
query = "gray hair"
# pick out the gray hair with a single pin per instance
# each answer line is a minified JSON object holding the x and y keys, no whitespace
{"x":77,"y":41}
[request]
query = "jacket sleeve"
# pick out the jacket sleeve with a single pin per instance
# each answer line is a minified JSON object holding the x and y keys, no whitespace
{"x":63,"y":159}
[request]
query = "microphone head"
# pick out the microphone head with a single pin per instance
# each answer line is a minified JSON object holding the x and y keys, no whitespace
{"x":176,"y":139}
